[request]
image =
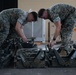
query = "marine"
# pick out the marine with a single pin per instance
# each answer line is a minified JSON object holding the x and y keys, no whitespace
{"x":64,"y":18}
{"x":12,"y":23}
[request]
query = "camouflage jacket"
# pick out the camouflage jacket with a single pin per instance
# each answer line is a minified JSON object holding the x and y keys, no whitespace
{"x":10,"y":17}
{"x":14,"y":15}
{"x":60,"y":12}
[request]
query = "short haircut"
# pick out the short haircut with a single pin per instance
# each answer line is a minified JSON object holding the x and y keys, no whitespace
{"x":34,"y":15}
{"x":40,"y":13}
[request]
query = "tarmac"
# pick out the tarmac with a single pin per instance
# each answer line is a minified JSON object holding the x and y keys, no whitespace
{"x":40,"y":71}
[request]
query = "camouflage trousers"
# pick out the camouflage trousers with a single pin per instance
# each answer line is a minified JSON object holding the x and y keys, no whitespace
{"x":4,"y":29}
{"x":67,"y":29}
{"x":6,"y":32}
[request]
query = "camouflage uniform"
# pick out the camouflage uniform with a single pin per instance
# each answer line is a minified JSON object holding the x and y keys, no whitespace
{"x":67,"y":15}
{"x":8,"y":20}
